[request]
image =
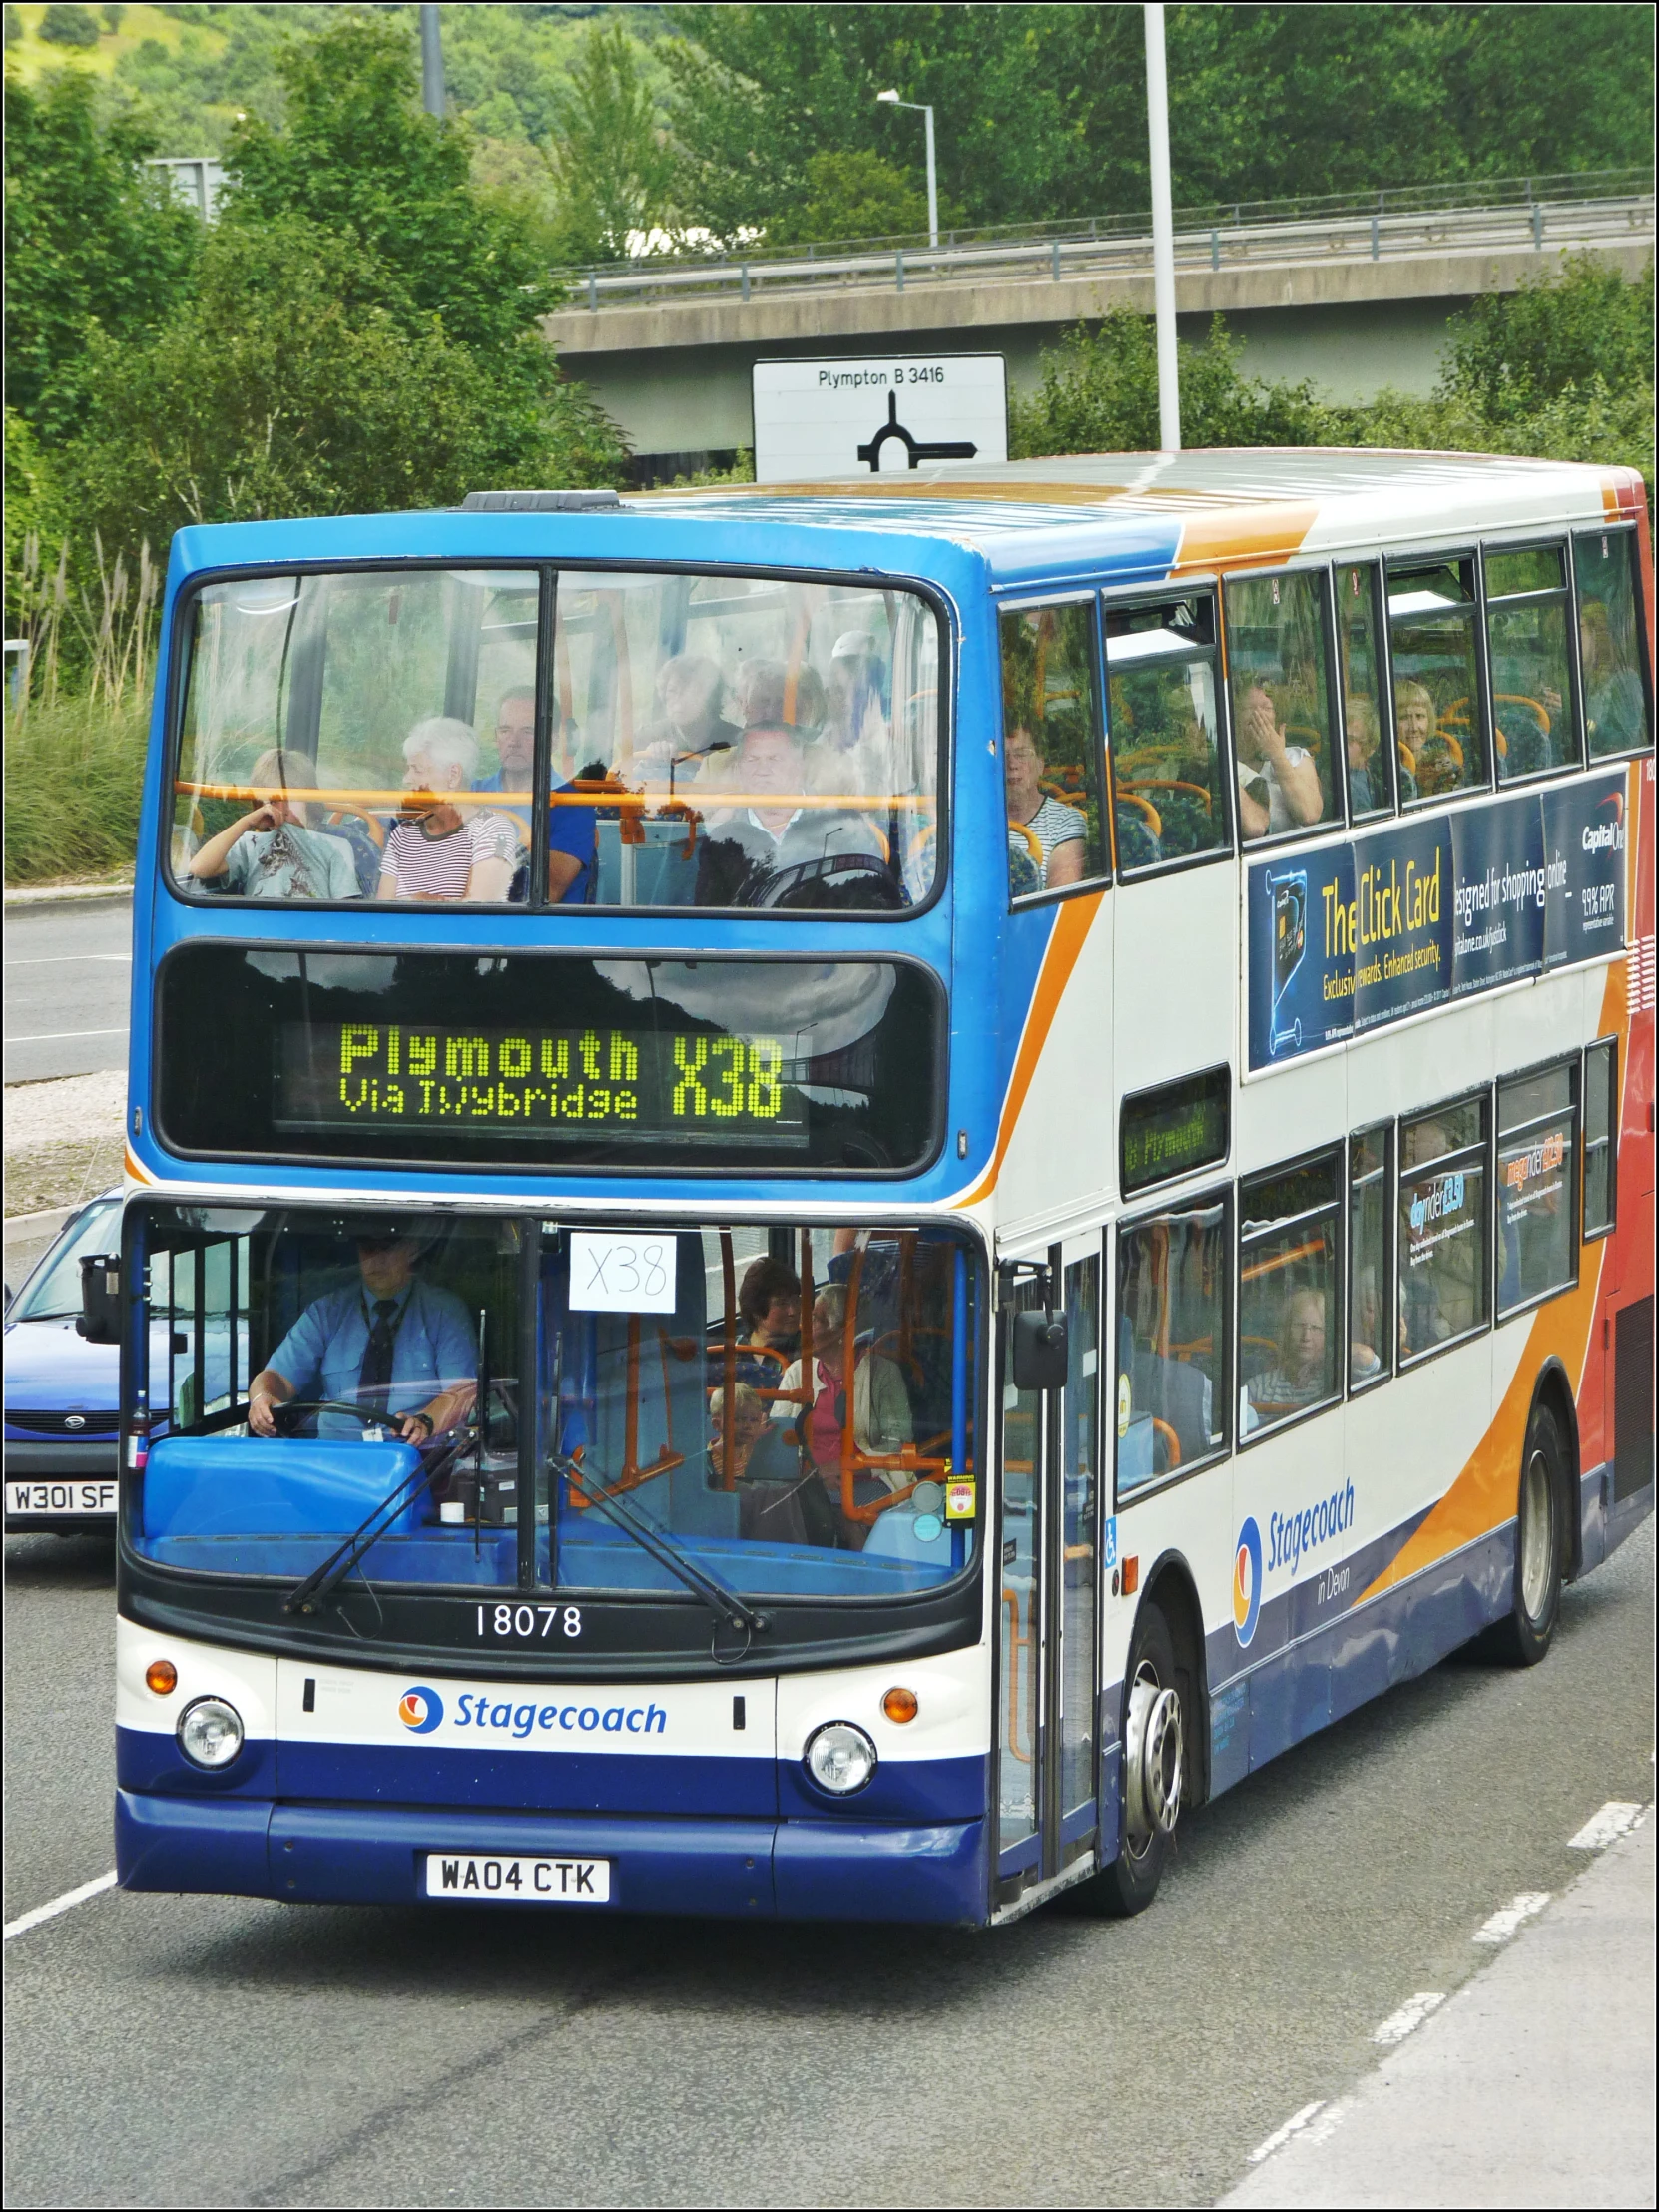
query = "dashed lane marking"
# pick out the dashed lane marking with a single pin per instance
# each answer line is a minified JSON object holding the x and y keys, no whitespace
{"x":25,"y":1920}
{"x":1615,"y":1819}
{"x":1503,"y":1926}
{"x":1411,"y":2014}
{"x":1281,"y":2135}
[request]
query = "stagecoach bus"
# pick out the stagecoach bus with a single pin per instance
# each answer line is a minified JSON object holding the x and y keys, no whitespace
{"x":848,"y":1190}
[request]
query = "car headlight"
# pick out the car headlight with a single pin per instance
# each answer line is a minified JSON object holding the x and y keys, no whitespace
{"x":209,"y":1732}
{"x":840,"y":1758}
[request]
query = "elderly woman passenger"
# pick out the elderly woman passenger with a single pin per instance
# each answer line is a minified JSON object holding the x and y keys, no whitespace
{"x":439,"y":850}
{"x":272,"y":851}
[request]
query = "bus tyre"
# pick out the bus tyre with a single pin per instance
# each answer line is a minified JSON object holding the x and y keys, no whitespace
{"x":1154,"y":1776}
{"x":1522,"y":1639}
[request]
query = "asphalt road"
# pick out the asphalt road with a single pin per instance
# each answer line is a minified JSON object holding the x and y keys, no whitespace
{"x":199,"y":2051}
{"x":68,"y":976}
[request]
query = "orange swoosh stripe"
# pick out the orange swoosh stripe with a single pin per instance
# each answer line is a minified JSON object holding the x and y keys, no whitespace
{"x":1251,"y":540}
{"x":1072,"y":922}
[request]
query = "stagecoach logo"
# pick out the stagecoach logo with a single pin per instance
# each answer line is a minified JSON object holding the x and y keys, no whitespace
{"x":1247,"y":1582}
{"x":420,"y":1709}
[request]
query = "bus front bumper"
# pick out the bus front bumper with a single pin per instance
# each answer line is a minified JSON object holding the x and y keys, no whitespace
{"x":730,"y":1868}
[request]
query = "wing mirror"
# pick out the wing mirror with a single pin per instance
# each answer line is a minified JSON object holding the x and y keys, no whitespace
{"x":100,"y":1320}
{"x":1040,"y":1351}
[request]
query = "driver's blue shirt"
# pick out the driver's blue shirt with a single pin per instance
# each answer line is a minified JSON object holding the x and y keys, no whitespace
{"x":322,"y":1354}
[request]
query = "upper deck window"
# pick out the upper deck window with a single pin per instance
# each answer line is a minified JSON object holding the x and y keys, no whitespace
{"x":1535,"y":726}
{"x":782,"y":738}
{"x":1169,"y":800}
{"x":1436,"y":679}
{"x":1051,"y":739}
{"x":690,"y":740}
{"x":367,"y":736}
{"x":1371,"y":784}
{"x":1280,"y":704}
{"x":1609,"y":642}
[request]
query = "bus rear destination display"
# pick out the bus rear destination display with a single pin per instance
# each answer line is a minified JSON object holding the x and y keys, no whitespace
{"x":535,"y":1081}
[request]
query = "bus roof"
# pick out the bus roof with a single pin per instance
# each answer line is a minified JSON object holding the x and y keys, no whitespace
{"x":1216,"y":506}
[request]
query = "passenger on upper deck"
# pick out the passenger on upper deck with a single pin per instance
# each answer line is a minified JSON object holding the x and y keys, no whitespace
{"x":1299,"y":1378}
{"x":389,"y":1342}
{"x":440,"y":850}
{"x":1368,"y":773}
{"x":1278,"y":782}
{"x":273,"y":851}
{"x":753,"y":853}
{"x":1058,"y":830}
{"x":515,"y":745}
{"x":1426,"y":763}
{"x":692,"y":729}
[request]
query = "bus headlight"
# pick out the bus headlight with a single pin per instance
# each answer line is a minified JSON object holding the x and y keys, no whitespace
{"x":209,"y":1732}
{"x":840,"y":1758}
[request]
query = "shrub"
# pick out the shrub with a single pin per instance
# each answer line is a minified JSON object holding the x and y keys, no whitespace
{"x":67,"y":23}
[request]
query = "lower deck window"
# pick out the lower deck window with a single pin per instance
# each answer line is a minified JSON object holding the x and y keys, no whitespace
{"x":1174,"y":1273}
{"x":1445,"y":1217}
{"x":1601,"y":1122}
{"x":1290,"y":1316}
{"x":1537,"y":1154}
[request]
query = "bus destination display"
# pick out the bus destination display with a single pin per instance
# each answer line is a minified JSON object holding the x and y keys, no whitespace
{"x":536,"y":1082}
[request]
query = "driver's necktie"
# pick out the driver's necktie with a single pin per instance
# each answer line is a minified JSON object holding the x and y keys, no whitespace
{"x":375,"y":1379}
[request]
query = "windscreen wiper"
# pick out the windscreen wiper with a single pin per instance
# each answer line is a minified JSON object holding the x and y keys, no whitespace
{"x":659,"y":1545}
{"x":308,"y":1596}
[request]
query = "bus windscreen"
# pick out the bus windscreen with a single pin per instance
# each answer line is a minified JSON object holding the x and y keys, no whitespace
{"x":463,"y":1060}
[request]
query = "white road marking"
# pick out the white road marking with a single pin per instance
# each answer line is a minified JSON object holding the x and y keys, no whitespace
{"x":1503,"y":1926}
{"x":1281,"y":2135}
{"x":1411,"y":2014}
{"x":62,"y":959}
{"x":57,"y":1036}
{"x":1615,"y":1819}
{"x":26,"y":1921}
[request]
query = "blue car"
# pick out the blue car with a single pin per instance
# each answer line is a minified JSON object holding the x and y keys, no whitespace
{"x":62,"y":1392}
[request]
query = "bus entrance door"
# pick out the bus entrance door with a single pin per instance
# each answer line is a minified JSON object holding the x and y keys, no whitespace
{"x":1048,"y":1664}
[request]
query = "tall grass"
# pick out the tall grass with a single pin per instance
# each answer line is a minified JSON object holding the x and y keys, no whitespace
{"x":74,"y":732}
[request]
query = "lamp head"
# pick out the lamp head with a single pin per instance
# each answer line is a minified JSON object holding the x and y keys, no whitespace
{"x":891,"y":98}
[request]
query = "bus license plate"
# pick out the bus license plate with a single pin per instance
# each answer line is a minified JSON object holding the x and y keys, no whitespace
{"x":60,"y":1497}
{"x":518,"y":1881}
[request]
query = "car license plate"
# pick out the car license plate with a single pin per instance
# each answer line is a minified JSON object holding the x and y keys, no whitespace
{"x":95,"y":1496}
{"x":472,"y":1879}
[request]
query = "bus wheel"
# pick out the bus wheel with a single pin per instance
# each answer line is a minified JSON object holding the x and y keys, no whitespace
{"x":1154,"y":1775}
{"x":1522,"y":1639}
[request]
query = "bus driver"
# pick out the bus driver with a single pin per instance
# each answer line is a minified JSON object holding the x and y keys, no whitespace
{"x":396,"y":1345}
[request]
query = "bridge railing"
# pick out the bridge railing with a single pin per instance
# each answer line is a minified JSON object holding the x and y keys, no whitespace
{"x":1583,"y":207}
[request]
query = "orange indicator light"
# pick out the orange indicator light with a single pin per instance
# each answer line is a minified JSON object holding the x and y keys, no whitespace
{"x":899,"y":1705}
{"x":1131,"y":1576}
{"x":162,"y":1676}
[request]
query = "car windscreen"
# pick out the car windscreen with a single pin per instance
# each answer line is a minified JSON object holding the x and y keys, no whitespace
{"x":551,"y":1061}
{"x":55,"y":1288}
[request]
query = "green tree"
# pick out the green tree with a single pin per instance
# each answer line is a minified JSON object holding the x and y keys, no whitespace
{"x":67,"y":23}
{"x":611,"y":169}
{"x":358,"y":156}
{"x":289,"y":385}
{"x":94,"y":241}
{"x":852,"y":196}
{"x":1510,"y":354}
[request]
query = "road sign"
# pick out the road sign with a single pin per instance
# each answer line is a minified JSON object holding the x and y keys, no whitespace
{"x":877,"y":417}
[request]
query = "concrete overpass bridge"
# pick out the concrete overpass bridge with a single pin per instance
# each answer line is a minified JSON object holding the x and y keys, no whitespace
{"x":1353,"y":292}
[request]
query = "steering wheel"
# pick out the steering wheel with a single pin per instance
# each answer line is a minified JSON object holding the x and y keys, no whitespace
{"x":286,"y":1415}
{"x":784,"y":889}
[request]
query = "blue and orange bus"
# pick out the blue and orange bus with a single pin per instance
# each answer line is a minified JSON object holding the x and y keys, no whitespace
{"x":852,"y":1189}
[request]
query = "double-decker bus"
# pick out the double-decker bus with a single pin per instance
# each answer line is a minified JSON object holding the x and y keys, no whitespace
{"x":838,"y":1194}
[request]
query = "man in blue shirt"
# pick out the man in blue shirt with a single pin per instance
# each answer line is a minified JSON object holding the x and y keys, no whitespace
{"x":571,"y":836}
{"x":390,"y":1342}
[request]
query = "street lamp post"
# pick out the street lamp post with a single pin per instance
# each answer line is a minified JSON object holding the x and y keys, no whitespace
{"x":432,"y":62}
{"x":1163,"y":233}
{"x":892,"y":100}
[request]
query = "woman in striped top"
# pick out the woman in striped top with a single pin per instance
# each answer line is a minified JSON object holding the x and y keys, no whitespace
{"x":438,"y":849}
{"x":1058,"y":829}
